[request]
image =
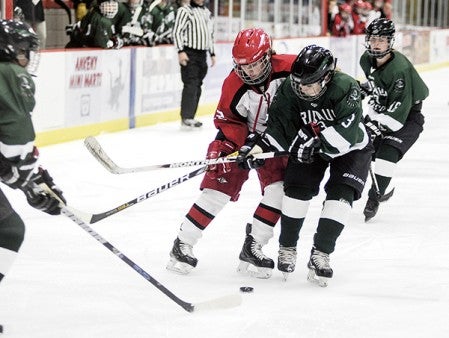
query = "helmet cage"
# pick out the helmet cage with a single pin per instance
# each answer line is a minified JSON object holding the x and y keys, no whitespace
{"x":296,"y":84}
{"x":264,"y":62}
{"x":109,"y":8}
{"x":378,"y":54}
{"x":378,"y":28}
{"x":18,"y":42}
{"x":313,"y":64}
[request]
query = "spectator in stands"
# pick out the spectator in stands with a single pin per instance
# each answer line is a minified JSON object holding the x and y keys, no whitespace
{"x":388,"y":10}
{"x":333,"y":10}
{"x":377,"y":11}
{"x":358,"y":18}
{"x":137,"y":30}
{"x":96,"y":28}
{"x":162,"y":21}
{"x":33,"y":14}
{"x":343,"y":24}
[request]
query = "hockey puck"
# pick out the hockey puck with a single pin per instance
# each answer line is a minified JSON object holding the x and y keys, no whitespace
{"x":246,"y":289}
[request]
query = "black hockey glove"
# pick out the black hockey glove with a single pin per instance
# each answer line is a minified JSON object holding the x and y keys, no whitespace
{"x":366,"y":89}
{"x":254,"y":144}
{"x":43,"y":194}
{"x":373,"y":128}
{"x":306,"y":143}
{"x":18,"y":174}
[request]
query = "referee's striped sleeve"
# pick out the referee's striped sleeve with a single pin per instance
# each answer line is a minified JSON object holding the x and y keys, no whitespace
{"x":181,"y":22}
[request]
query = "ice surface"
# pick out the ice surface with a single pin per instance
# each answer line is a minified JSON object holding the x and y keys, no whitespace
{"x":391,"y":275}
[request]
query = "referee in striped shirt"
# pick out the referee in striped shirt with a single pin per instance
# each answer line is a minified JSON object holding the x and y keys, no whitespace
{"x":193,"y":37}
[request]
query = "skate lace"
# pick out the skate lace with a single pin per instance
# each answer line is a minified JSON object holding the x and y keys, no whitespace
{"x":256,"y":249}
{"x":321,"y":259}
{"x":287,"y":255}
{"x":186,"y":249}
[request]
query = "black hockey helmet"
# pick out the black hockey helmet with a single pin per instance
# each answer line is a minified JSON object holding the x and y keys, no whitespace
{"x":314,"y":64}
{"x":16,"y":38}
{"x":380,"y":27}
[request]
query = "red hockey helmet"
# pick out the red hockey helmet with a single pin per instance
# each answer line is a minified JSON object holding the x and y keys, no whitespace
{"x":252,"y":47}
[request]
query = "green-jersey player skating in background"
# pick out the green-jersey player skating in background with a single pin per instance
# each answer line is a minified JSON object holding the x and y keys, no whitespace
{"x":395,"y":91}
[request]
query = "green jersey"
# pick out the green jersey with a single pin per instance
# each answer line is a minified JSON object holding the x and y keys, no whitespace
{"x":338,"y":112}
{"x":163,"y":21}
{"x":396,"y":85}
{"x":16,"y":105}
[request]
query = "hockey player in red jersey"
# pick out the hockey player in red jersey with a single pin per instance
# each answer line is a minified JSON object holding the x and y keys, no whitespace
{"x":246,"y":95}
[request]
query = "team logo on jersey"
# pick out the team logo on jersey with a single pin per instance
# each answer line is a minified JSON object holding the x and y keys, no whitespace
{"x":399,"y":85}
{"x":26,"y":88}
{"x":353,"y":99}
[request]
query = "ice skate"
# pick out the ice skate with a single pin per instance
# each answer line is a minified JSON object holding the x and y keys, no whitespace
{"x":253,"y":261}
{"x":286,"y":260}
{"x":190,"y":124}
{"x":372,"y":205}
{"x":319,"y":269}
{"x":182,"y":259}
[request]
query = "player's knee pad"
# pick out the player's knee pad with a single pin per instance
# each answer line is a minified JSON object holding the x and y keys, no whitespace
{"x":12,"y":232}
{"x":273,"y":194}
{"x":336,"y":210}
{"x":294,"y":208}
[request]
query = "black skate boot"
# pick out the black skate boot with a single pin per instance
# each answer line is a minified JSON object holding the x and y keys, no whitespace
{"x":286,"y":260}
{"x":182,"y":259}
{"x":372,"y":205}
{"x":252,"y":254}
{"x":319,"y":268}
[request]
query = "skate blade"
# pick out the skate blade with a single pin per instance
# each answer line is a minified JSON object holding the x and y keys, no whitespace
{"x":314,"y":279}
{"x":179,"y":267}
{"x":285,"y":276}
{"x":245,"y":268}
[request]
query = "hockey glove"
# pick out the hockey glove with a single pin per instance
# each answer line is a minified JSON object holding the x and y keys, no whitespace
{"x":219,"y":148}
{"x":366,"y":89}
{"x":306,"y":143}
{"x":373,"y":128}
{"x":18,"y":174}
{"x":43,"y":194}
{"x":254,"y":144}
{"x":149,"y":39}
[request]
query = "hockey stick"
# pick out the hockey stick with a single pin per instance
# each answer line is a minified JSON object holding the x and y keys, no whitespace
{"x":98,"y":152}
{"x":380,"y":197}
{"x":93,"y":218}
{"x":224,"y":302}
{"x":373,"y":178}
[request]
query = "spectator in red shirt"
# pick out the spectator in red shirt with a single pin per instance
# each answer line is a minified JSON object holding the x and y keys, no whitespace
{"x":343,"y":24}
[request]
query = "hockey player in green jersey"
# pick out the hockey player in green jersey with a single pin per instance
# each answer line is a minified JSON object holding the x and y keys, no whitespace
{"x":18,"y":155}
{"x":317,"y":116}
{"x":396,"y":92}
{"x":100,"y":27}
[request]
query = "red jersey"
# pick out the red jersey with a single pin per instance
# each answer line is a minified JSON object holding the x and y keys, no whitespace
{"x":242,"y":108}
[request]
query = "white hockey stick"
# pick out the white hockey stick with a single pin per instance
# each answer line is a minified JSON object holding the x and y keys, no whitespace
{"x":93,"y":218}
{"x":98,"y":152}
{"x":224,"y":302}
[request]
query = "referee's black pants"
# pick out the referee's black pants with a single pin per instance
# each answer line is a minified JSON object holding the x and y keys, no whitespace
{"x":192,"y":76}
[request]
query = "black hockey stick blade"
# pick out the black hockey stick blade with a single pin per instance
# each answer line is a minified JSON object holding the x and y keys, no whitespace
{"x":101,"y":156}
{"x":93,"y":218}
{"x":217,"y":303}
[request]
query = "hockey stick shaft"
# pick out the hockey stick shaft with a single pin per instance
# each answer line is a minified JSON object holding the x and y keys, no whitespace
{"x":100,"y":155}
{"x":223,"y":302}
{"x":93,"y":218}
{"x":374,"y":179}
